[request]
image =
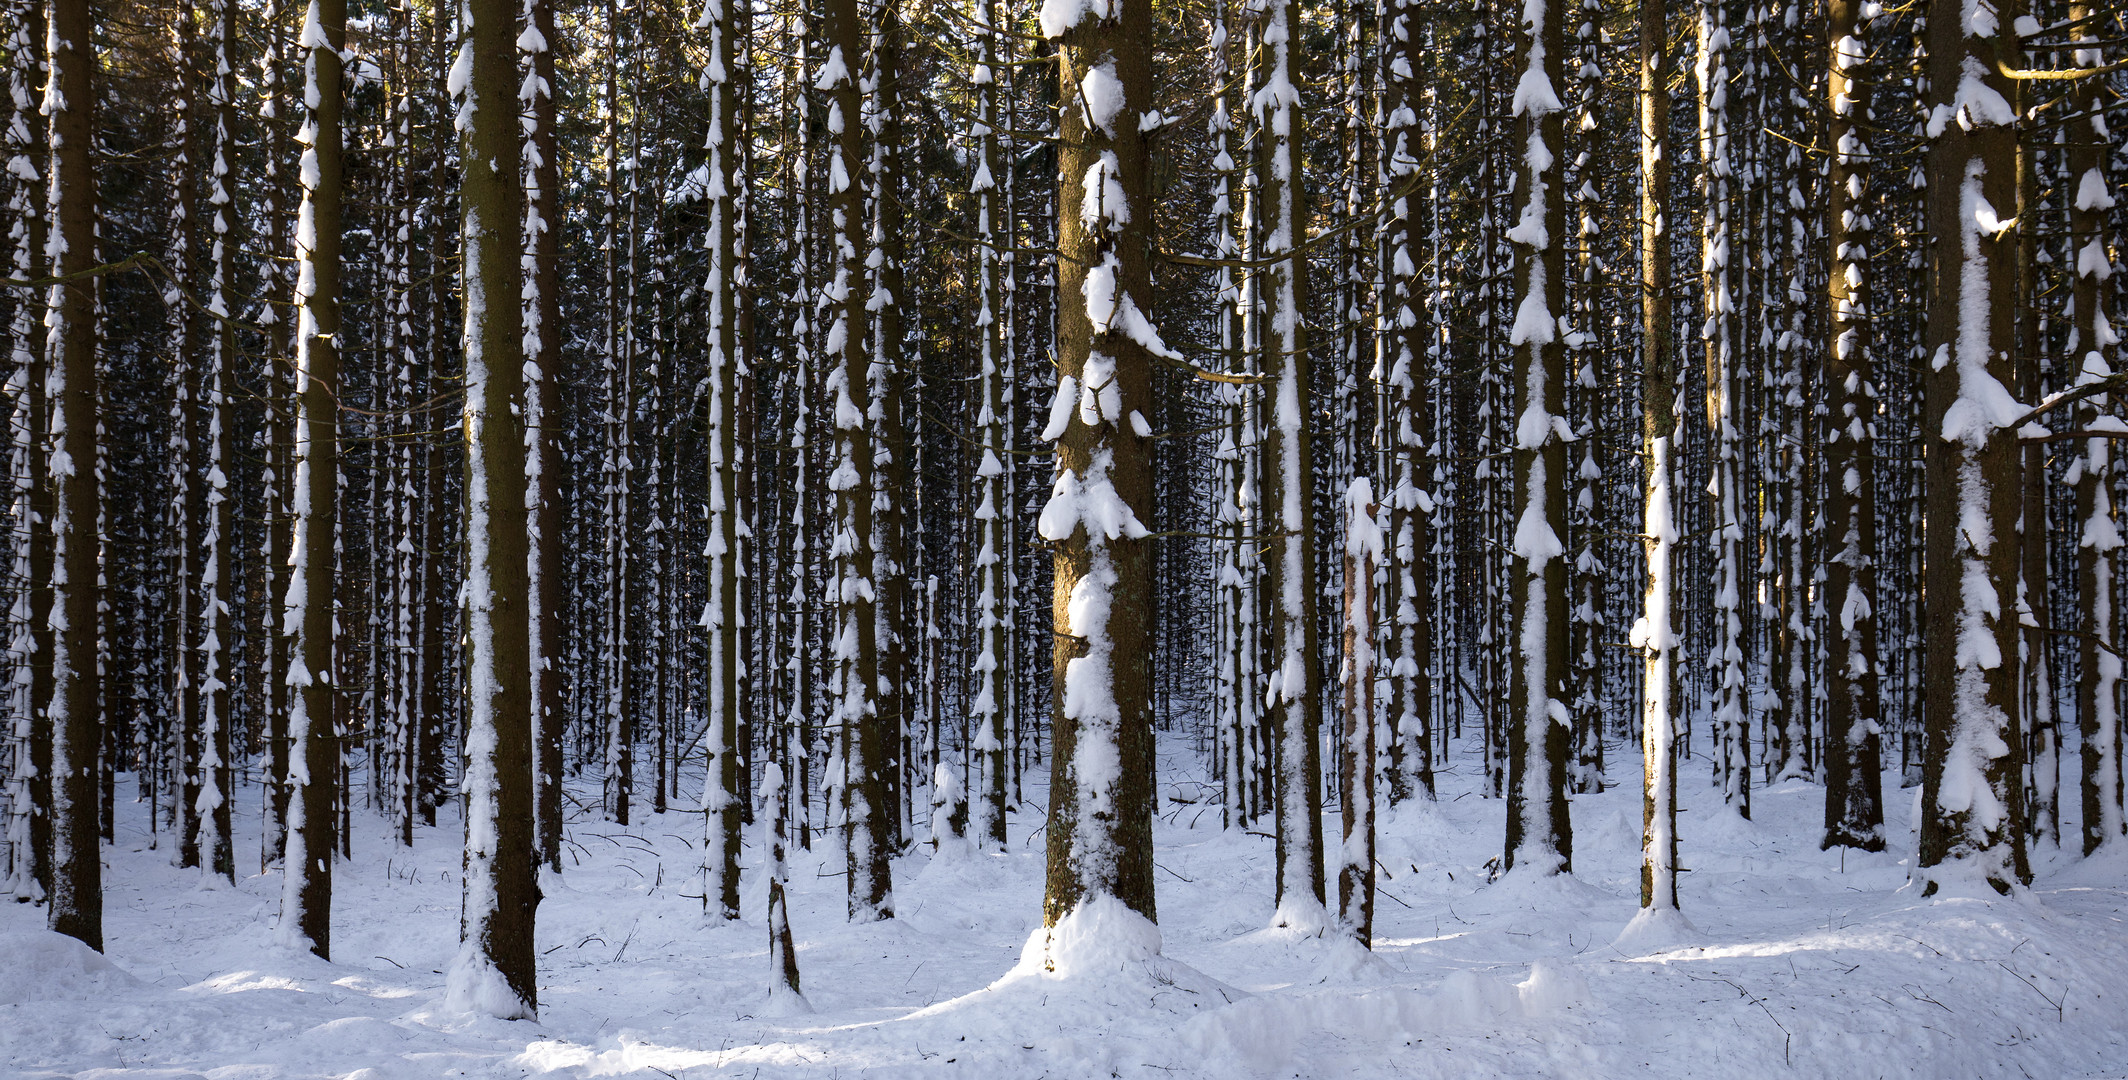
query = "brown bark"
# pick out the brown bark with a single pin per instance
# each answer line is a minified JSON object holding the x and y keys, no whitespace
{"x":70,"y":357}
{"x":1103,"y":847}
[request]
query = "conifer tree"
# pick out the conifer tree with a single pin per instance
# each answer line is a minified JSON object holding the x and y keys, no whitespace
{"x":1972,"y":826}
{"x":71,"y":405}
{"x":1655,"y":633}
{"x":313,"y":588}
{"x":1288,"y":469}
{"x":493,"y":972}
{"x":721,"y":616}
{"x":1854,"y":810}
{"x":868,"y":815}
{"x":1101,"y":752}
{"x":1538,"y":727}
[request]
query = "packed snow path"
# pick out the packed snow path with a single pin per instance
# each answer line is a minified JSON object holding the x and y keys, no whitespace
{"x":1803,"y":968}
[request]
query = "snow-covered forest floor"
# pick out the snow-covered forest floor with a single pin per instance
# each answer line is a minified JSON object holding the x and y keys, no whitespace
{"x":1803,"y":967}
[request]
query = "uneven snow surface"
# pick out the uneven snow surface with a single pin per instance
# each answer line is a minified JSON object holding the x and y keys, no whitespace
{"x":1787,"y":964}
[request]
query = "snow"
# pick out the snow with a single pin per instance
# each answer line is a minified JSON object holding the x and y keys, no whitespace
{"x":1983,"y":404}
{"x":1800,"y":966}
{"x":1059,"y":16}
{"x":1103,"y":93}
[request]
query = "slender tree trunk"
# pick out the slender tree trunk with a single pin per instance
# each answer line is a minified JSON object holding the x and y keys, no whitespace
{"x":545,"y":422}
{"x":1405,"y":415}
{"x":890,"y":444}
{"x":278,"y":426}
{"x":723,"y":616}
{"x":217,"y":852}
{"x":1355,"y":873}
{"x":314,"y":751}
{"x":992,"y":512}
{"x":71,"y":403}
{"x":783,"y":989}
{"x":494,"y":972}
{"x":1725,"y":660}
{"x":1289,"y":575}
{"x":1538,"y":832}
{"x":186,"y":505}
{"x":1655,"y":634}
{"x":2093,"y":346}
{"x":1854,"y":802}
{"x":29,"y":822}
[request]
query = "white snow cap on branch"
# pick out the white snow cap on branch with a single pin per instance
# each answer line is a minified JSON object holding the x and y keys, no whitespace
{"x":1059,"y":16}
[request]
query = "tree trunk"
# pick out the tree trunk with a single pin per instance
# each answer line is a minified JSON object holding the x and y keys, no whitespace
{"x":29,"y":824}
{"x":992,"y":512}
{"x":1725,"y":660}
{"x":71,"y":402}
{"x":723,"y":616}
{"x":1101,"y":750}
{"x":2093,"y":347}
{"x":494,"y":970}
{"x":545,"y":423}
{"x":1972,"y":828}
{"x":314,"y":751}
{"x":1288,"y":490}
{"x":1355,"y":873}
{"x":1538,"y":832}
{"x":217,"y":853}
{"x":1854,"y":801}
{"x":868,"y":831}
{"x":1655,"y":634}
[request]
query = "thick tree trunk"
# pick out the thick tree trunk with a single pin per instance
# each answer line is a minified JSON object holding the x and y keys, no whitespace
{"x":1972,"y":827}
{"x":868,"y":831}
{"x":495,"y":967}
{"x":1101,"y":753}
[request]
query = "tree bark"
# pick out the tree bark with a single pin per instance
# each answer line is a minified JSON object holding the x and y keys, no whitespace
{"x":1854,"y":802}
{"x":723,"y":617}
{"x":545,"y":414}
{"x":1101,"y":750}
{"x":1539,"y":834}
{"x":1972,"y":828}
{"x":494,"y":972}
{"x":1288,"y":488}
{"x":72,"y":396}
{"x":868,"y":832}
{"x":1655,"y":634}
{"x":314,"y":749}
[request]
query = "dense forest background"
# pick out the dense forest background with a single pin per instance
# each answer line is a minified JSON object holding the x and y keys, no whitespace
{"x":1410,"y":182}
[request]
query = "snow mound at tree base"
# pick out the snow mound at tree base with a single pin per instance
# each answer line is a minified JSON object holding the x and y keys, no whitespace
{"x":1656,"y":929}
{"x":46,"y":966}
{"x":1103,"y":952}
